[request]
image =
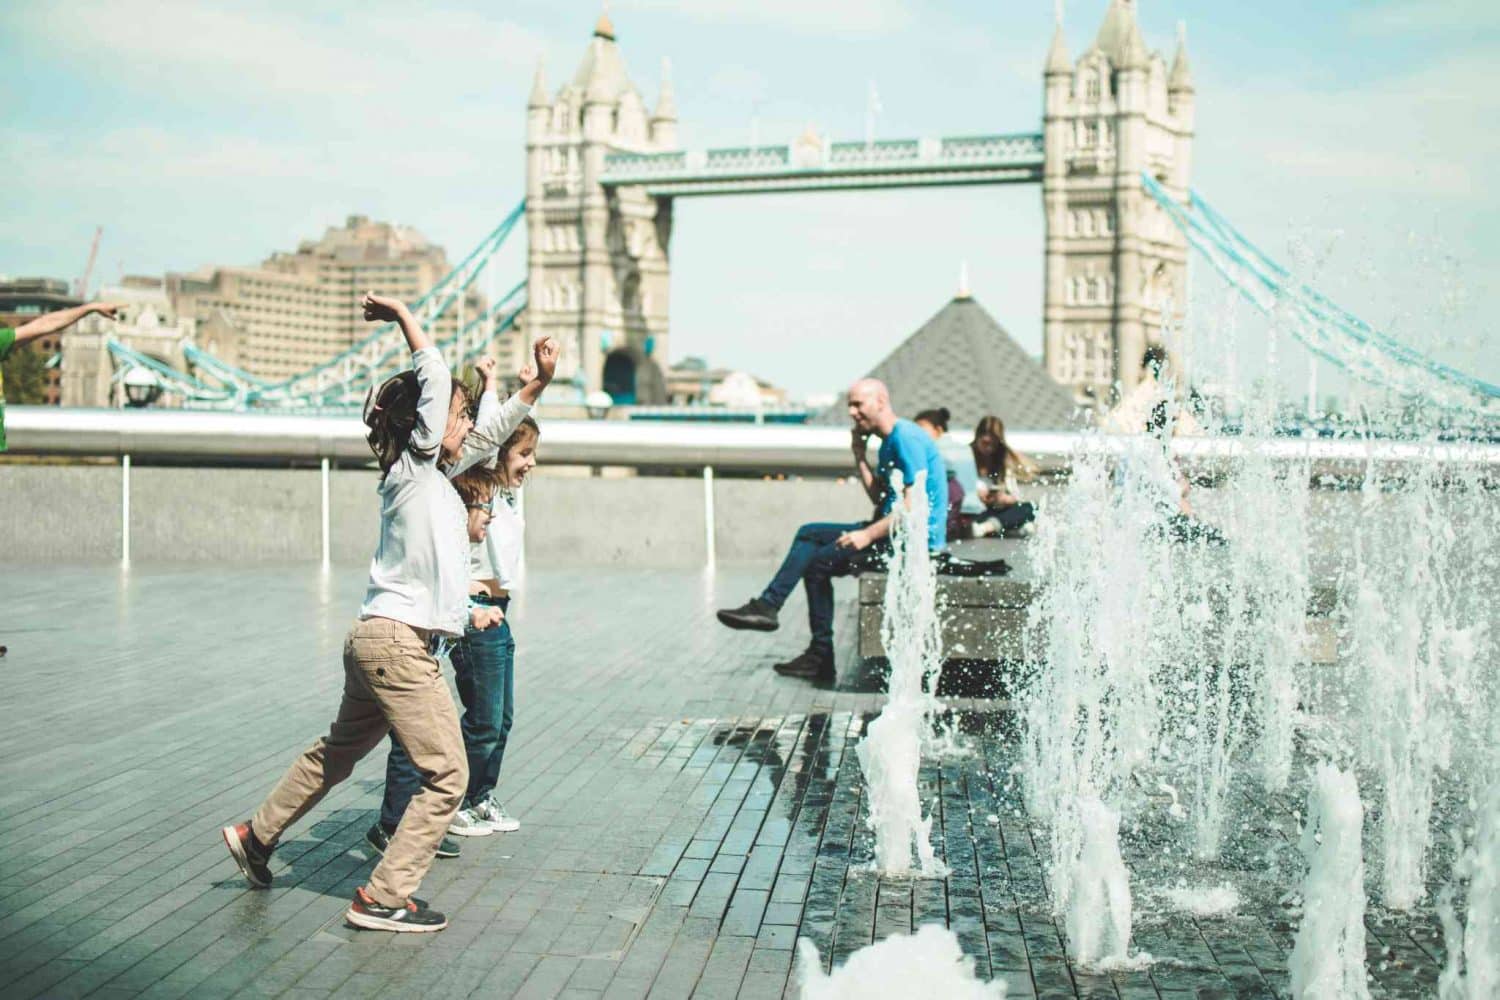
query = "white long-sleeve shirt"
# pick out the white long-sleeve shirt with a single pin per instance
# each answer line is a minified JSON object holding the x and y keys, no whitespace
{"x":495,"y":422}
{"x":419,"y":574}
{"x":499,"y":555}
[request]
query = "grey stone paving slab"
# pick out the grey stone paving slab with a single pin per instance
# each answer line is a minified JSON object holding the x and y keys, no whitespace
{"x":687,"y":813}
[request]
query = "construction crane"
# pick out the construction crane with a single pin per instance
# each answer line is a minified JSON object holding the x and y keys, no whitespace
{"x":81,"y":286}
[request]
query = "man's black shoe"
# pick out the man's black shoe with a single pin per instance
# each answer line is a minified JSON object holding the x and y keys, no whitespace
{"x":810,"y":663}
{"x":378,"y":840}
{"x":755,"y":614}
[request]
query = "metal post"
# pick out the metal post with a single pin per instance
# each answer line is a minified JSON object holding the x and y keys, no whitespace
{"x":327,"y":541}
{"x":125,"y":512}
{"x":708,"y":516}
{"x":1312,"y":388}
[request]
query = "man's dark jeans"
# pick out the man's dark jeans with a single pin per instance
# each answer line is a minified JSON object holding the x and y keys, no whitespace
{"x":815,"y":559}
{"x":484,"y":664}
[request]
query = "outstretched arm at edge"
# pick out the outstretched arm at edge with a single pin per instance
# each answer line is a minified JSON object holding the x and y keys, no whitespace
{"x":52,"y":322}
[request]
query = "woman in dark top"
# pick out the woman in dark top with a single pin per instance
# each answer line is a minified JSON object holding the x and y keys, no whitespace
{"x":935,"y":423}
{"x":999,"y":466}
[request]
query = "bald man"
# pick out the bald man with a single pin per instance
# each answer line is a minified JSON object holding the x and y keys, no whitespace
{"x":822,"y":551}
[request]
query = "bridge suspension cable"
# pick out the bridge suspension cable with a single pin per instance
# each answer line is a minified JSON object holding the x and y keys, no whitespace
{"x":1328,"y":331}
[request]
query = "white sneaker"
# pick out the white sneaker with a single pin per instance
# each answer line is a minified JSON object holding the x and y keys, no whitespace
{"x":489,"y":810}
{"x":469,"y":823}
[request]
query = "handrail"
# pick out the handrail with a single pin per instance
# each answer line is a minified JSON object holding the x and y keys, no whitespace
{"x":766,"y":448}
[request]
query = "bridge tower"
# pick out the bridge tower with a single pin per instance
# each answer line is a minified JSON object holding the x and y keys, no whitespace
{"x":597,"y":267}
{"x":1114,"y":261}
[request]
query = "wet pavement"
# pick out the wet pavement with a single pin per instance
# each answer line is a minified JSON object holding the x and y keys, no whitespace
{"x":686,"y":813}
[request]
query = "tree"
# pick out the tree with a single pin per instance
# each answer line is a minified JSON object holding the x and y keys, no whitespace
{"x":26,"y":375}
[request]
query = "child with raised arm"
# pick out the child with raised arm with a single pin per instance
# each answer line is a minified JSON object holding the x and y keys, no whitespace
{"x":482,"y":657}
{"x":417,"y":595}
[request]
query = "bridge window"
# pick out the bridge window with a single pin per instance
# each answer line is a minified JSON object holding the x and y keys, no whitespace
{"x":1091,"y":87}
{"x":1088,"y":223}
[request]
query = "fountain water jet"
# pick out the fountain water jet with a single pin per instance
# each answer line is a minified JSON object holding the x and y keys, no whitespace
{"x":890,"y":755}
{"x":1328,"y":959}
{"x":1473,"y":968}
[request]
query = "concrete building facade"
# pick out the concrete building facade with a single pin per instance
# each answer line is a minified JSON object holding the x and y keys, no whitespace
{"x":298,"y":309}
{"x":597,"y":269}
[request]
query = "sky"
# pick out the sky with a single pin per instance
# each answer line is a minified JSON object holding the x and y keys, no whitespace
{"x":1346,"y":137}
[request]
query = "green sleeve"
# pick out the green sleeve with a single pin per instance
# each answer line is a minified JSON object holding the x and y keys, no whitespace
{"x":7,"y":339}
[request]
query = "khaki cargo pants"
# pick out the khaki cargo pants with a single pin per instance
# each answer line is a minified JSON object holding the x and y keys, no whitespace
{"x":391,"y":682}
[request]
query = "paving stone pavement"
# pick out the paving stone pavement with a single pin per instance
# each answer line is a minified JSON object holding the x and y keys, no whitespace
{"x":686,"y":813}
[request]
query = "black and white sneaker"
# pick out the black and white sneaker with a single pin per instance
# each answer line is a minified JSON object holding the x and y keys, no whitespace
{"x":251,"y":855}
{"x":379,"y":840}
{"x":413,"y":918}
{"x":754,"y":614}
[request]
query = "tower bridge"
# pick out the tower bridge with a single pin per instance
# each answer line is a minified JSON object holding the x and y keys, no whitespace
{"x":1113,"y":160}
{"x":603,"y":173}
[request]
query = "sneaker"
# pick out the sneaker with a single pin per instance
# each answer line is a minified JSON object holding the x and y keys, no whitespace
{"x":251,"y":855}
{"x":468,"y":823}
{"x":809,"y":663}
{"x":754,"y":614}
{"x":489,"y":810}
{"x":378,"y":840}
{"x":985,"y":528}
{"x":413,"y":918}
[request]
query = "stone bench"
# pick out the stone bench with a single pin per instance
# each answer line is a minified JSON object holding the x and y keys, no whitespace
{"x":983,"y":618}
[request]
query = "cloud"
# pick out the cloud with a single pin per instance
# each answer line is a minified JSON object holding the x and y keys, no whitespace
{"x":833,"y":17}
{"x":386,"y":60}
{"x":1426,"y":17}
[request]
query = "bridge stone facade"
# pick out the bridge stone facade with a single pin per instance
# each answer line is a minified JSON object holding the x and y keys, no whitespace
{"x":603,"y":174}
{"x":1116,"y":266}
{"x":597,"y":272}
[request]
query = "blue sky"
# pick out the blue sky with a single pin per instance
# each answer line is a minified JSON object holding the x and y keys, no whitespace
{"x":1354,"y":138}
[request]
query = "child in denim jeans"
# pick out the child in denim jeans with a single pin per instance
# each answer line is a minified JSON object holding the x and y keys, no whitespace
{"x":483,"y":658}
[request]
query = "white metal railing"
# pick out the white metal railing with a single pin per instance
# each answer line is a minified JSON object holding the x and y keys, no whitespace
{"x":770,"y":447}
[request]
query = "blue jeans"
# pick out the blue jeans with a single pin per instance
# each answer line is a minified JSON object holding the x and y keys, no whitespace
{"x":815,"y":560}
{"x":484,"y":664}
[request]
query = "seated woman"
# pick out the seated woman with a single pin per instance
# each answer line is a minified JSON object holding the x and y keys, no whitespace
{"x":935,"y":423}
{"x":999,"y":467}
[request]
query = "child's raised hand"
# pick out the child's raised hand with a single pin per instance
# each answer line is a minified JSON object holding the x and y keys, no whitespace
{"x":486,"y":369}
{"x":486,"y":617}
{"x":527,"y":372}
{"x":382,"y":308}
{"x":545,"y":352}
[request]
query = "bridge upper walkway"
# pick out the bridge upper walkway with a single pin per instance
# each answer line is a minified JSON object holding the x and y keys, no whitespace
{"x":832,"y":166}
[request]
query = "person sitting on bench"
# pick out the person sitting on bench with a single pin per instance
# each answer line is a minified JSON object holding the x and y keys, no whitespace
{"x":821,"y":551}
{"x":999,"y":466}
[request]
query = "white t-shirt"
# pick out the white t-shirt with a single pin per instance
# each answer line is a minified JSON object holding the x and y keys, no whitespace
{"x":498,"y":557}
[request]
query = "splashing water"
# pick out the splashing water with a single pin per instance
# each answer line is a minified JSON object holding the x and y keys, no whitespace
{"x":1207,"y":901}
{"x":1473,"y":968}
{"x":890,"y":755}
{"x":1094,"y":890}
{"x":1416,"y":662}
{"x":1328,"y":959}
{"x":927,"y":965}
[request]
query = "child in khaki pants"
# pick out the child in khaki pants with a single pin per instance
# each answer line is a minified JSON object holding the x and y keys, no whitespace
{"x":418,"y":596}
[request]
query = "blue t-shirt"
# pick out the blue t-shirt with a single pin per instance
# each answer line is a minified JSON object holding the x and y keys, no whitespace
{"x":910,"y":449}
